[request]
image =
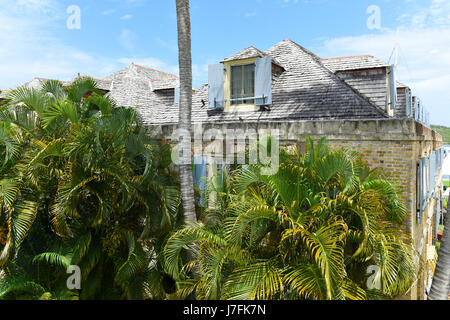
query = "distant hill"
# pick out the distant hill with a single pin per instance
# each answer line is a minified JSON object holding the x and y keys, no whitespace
{"x":444,"y":132}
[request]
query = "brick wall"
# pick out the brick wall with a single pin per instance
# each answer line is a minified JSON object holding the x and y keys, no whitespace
{"x":399,"y":160}
{"x":396,"y":158}
{"x":393,"y":145}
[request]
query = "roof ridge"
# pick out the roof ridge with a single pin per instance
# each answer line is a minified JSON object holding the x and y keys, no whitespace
{"x":249,"y":47}
{"x":401,"y":84}
{"x":348,"y":57}
{"x":316,"y":57}
{"x":95,"y":78}
{"x":145,"y":67}
{"x":167,"y":79}
{"x":232,"y":57}
{"x":252,"y":46}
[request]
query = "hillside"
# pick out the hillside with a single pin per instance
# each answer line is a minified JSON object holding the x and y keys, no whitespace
{"x":444,"y":132}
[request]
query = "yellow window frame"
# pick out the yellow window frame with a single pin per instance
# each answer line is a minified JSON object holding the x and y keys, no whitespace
{"x":227,"y":87}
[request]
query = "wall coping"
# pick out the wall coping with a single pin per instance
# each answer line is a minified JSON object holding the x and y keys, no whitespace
{"x":392,"y":129}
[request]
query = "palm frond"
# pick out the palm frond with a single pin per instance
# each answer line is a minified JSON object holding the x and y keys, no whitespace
{"x":179,"y":240}
{"x":307,"y":281}
{"x":80,"y":87}
{"x":23,"y":217}
{"x":258,"y":281}
{"x":53,"y":258}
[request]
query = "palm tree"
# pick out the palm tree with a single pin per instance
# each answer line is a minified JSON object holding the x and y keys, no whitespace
{"x":93,"y":181}
{"x":184,"y":124}
{"x":440,"y":287}
{"x":308,"y":232}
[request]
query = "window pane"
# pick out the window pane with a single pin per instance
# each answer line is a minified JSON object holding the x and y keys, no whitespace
{"x":242,"y":83}
{"x":249,"y":82}
{"x":236,"y":81}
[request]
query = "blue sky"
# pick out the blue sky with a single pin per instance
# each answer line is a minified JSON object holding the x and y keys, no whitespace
{"x":113,"y":33}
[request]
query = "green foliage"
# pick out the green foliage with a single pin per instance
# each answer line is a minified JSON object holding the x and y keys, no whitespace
{"x":81,"y":184}
{"x":310,"y":231}
{"x":444,"y":132}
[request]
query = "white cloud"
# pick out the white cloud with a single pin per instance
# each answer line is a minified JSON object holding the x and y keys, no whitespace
{"x":436,"y":14}
{"x":108,"y":12}
{"x":423,"y":38}
{"x":29,"y":47}
{"x":126,"y":17}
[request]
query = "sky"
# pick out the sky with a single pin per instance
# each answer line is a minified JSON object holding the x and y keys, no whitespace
{"x":60,"y":38}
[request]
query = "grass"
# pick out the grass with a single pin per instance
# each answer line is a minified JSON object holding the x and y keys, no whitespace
{"x":444,"y":132}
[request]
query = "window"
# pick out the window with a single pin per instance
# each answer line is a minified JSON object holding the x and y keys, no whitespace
{"x":242,"y":84}
{"x":199,"y":176}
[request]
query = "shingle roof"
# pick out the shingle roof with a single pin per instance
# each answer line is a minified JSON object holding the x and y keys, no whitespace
{"x":126,"y":90}
{"x":353,"y":63}
{"x":143,"y":71}
{"x":249,"y":52}
{"x":143,"y":88}
{"x":401,"y":85}
{"x":306,"y":90}
{"x":163,"y":84}
{"x":35,"y":83}
{"x":353,"y":69}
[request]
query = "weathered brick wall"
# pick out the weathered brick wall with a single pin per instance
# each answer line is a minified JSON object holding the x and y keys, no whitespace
{"x":396,"y":159}
{"x":393,"y":145}
{"x":399,"y":160}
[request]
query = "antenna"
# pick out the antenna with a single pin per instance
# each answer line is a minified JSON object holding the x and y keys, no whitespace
{"x":394,"y":54}
{"x":395,"y":50}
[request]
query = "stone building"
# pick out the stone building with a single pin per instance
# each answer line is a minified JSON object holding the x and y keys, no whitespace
{"x":355,"y":102}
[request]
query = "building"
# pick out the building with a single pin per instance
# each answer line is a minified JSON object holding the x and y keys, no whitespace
{"x":355,"y":102}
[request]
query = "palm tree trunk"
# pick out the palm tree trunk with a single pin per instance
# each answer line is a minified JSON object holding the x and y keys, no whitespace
{"x":184,"y":122}
{"x":440,"y":286}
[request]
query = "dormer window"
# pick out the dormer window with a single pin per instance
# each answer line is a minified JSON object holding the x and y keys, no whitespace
{"x":242,"y":84}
